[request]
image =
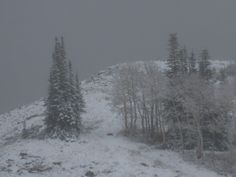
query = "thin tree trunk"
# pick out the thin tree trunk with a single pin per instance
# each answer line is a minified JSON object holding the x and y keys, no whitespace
{"x":125,"y":115}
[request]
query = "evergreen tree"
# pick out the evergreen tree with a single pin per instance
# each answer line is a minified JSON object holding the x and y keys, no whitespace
{"x":53,"y":99}
{"x":204,"y":65}
{"x":71,"y":91}
{"x":173,"y":59}
{"x":183,"y":57}
{"x":192,"y":63}
{"x":79,"y":106}
{"x":174,"y":112}
{"x":80,"y":98}
{"x":65,"y":117}
{"x":63,"y":108}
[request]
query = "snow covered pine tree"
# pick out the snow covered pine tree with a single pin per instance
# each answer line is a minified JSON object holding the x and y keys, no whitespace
{"x":65,"y":101}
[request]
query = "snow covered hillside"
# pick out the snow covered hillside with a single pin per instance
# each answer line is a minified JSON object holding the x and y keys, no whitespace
{"x":100,"y":151}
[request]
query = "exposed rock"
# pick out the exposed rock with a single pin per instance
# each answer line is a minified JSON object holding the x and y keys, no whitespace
{"x":109,"y":134}
{"x":144,"y":164}
{"x":90,"y":174}
{"x":39,"y":168}
{"x":23,"y":155}
{"x":57,"y":163}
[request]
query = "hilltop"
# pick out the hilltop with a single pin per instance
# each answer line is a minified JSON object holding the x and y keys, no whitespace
{"x":100,"y":151}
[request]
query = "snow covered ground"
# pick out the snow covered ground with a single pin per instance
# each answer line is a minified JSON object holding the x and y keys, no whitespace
{"x":100,"y":151}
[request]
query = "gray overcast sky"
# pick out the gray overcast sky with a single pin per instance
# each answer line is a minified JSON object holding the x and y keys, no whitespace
{"x":99,"y":33}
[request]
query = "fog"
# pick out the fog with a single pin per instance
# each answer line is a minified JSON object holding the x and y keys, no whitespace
{"x":99,"y":34}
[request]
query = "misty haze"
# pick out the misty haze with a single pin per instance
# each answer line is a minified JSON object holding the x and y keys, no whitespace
{"x":126,"y":88}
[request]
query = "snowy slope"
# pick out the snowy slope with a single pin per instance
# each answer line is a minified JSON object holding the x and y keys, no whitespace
{"x":100,"y":150}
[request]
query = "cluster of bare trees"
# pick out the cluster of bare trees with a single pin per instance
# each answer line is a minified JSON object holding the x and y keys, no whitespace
{"x":208,"y":112}
{"x":181,"y":108}
{"x":138,"y":94}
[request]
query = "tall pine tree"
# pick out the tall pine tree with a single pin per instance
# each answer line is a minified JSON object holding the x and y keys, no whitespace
{"x":80,"y":98}
{"x":173,"y":58}
{"x":183,"y":59}
{"x":204,"y":65}
{"x":177,"y":67}
{"x":192,"y":63}
{"x":63,"y":107}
